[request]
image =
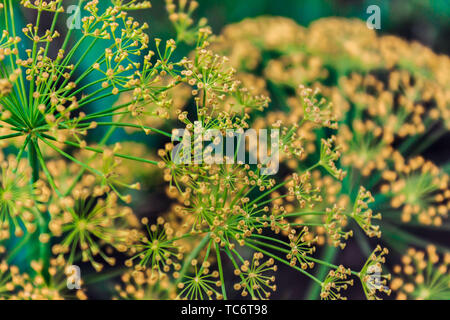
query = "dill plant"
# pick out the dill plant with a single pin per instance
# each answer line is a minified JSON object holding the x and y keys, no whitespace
{"x":76,"y":201}
{"x":422,"y":275}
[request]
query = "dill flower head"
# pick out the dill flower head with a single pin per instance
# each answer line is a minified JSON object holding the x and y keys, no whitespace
{"x":316,"y":109}
{"x":298,"y":67}
{"x":316,"y":217}
{"x":329,"y":154}
{"x":420,"y":189}
{"x":222,"y":208}
{"x":372,"y":279}
{"x":43,"y":103}
{"x":336,"y":220}
{"x":87,"y":221}
{"x":301,"y":188}
{"x":415,"y":57}
{"x":355,"y":47}
{"x":329,"y":216}
{"x":227,"y":205}
{"x":34,"y":286}
{"x":18,"y":200}
{"x":250,"y":35}
{"x":146,"y":284}
{"x":158,"y":249}
{"x":363,"y":215}
{"x":336,"y":281}
{"x":363,"y":148}
{"x":9,"y":279}
{"x":5,"y":87}
{"x":301,"y":246}
{"x":423,"y":275}
{"x":201,"y":285}
{"x":255,"y":276}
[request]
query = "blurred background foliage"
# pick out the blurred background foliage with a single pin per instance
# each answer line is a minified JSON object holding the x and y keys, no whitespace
{"x":427,"y":21}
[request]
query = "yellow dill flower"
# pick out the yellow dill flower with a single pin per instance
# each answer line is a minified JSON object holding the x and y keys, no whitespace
{"x":372,"y":279}
{"x":202,"y":285}
{"x":159,"y":249}
{"x":336,"y":281}
{"x":390,"y":101}
{"x":254,"y":277}
{"x":34,"y":286}
{"x":363,"y":215}
{"x":18,"y":201}
{"x":145,"y":285}
{"x":88,"y":220}
{"x":422,"y":275}
{"x":420,"y":189}
{"x":10,"y":279}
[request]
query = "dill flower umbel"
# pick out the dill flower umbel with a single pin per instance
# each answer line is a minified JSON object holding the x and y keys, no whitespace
{"x":372,"y":279}
{"x":420,"y":188}
{"x":47,"y":91}
{"x":158,"y":249}
{"x":17,"y":198}
{"x":18,"y":285}
{"x":145,"y":285}
{"x":255,"y":277}
{"x":86,"y":222}
{"x":201,"y":285}
{"x":334,"y":283}
{"x":423,"y":275}
{"x":33,"y":285}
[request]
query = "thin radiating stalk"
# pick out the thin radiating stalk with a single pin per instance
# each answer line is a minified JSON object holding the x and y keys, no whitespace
{"x":219,"y":263}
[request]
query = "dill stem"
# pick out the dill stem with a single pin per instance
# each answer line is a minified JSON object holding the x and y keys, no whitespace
{"x":329,"y":254}
{"x":219,"y":263}
{"x":121,"y":124}
{"x":33,"y":56}
{"x":102,"y":143}
{"x":298,"y":214}
{"x":193,"y":254}
{"x":284,"y":262}
{"x":101,"y":151}
{"x":44,"y":218}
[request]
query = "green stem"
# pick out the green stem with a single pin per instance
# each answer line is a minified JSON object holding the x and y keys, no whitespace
{"x":19,"y":246}
{"x":44,"y":218}
{"x":98,"y":150}
{"x":219,"y":263}
{"x":328,"y":255}
{"x":284,"y":262}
